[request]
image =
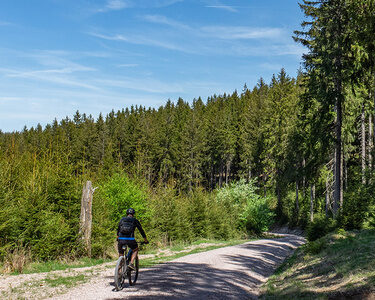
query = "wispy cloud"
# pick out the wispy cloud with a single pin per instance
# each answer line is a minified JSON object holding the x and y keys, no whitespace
{"x":155,"y":3}
{"x":127,"y":65}
{"x":268,"y":50}
{"x":214,"y":40}
{"x":238,"y":32}
{"x":224,"y":7}
{"x":3,"y":23}
{"x":52,"y":76}
{"x":158,"y":19}
{"x":116,"y":37}
{"x":142,"y":40}
{"x":114,"y":5}
{"x":152,"y":86}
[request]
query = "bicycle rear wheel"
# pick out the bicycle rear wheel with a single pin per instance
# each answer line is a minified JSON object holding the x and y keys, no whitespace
{"x":133,"y":274}
{"x":119,"y":273}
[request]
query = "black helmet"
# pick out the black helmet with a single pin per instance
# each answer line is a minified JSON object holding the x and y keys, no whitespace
{"x":130,"y":211}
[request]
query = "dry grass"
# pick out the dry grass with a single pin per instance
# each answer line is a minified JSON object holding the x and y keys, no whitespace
{"x":338,"y":265}
{"x":17,"y":260}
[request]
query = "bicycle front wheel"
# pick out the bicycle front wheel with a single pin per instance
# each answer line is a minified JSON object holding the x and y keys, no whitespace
{"x":119,"y":273}
{"x":133,"y":274}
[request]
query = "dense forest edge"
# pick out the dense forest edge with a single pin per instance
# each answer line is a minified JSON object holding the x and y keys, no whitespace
{"x":296,"y":151}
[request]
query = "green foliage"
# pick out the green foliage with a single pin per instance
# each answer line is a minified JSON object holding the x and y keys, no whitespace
{"x":122,"y":192}
{"x":247,"y":209}
{"x":40,"y":205}
{"x":358,"y":209}
{"x":316,"y":246}
{"x":320,"y":227}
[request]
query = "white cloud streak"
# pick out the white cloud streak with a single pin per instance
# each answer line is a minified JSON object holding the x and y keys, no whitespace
{"x":241,"y":33}
{"x":113,"y":5}
{"x":142,"y":40}
{"x":158,"y":19}
{"x":224,"y":7}
{"x":116,"y":4}
{"x":127,"y":65}
{"x":210,"y":40}
{"x":52,"y":76}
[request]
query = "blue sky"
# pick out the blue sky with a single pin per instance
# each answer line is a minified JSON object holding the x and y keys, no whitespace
{"x":59,"y":56}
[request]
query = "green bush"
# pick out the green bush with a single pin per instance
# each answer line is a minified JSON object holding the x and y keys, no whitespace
{"x":359,"y":207}
{"x":257,"y":215}
{"x":320,"y":227}
{"x":55,"y":237}
{"x":247,"y":209}
{"x":122,"y":192}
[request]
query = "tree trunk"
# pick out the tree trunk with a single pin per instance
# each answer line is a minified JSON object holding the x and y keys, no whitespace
{"x":363,"y":144}
{"x":370,"y":139}
{"x":221,"y":174}
{"x":304,"y":178}
{"x":227,"y":172}
{"x":297,"y":203}
{"x":345,"y":175}
{"x":264,"y":186}
{"x":342,"y":179}
{"x":338,"y":150}
{"x":85,"y":221}
{"x":312,"y":198}
{"x":279,"y":208}
{"x":373,"y":95}
{"x":327,"y":195}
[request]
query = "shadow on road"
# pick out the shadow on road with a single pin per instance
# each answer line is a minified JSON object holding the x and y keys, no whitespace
{"x":176,"y":280}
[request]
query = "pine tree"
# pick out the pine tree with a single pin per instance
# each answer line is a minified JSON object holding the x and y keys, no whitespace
{"x":328,"y":40}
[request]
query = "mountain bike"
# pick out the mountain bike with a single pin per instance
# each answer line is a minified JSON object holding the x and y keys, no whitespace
{"x":122,"y":270}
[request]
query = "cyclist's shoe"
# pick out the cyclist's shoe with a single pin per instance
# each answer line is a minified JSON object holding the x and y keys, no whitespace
{"x":131,"y":266}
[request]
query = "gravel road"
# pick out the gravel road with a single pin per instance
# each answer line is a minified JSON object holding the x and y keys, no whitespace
{"x":234,"y":272}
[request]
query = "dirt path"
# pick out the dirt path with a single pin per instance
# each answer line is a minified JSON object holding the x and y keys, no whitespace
{"x":234,"y":272}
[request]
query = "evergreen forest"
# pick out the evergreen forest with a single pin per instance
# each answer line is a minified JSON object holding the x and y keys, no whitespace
{"x":296,"y":151}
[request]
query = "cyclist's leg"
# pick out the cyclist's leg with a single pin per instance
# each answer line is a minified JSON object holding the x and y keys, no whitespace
{"x":134,"y":255}
{"x":134,"y":246}
{"x":119,"y":248}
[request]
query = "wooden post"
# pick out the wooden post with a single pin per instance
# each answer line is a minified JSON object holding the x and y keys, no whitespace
{"x":86,"y":216}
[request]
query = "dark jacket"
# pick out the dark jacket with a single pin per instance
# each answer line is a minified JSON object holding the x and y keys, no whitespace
{"x":136,"y":225}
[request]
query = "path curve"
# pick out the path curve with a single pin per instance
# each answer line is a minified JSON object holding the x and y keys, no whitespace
{"x":234,"y":272}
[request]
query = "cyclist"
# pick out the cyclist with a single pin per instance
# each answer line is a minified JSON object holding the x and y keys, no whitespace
{"x":125,"y":235}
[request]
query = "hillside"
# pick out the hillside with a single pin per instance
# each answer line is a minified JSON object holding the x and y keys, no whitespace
{"x":337,"y":266}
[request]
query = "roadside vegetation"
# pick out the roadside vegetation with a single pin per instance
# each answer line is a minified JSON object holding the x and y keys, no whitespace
{"x":339,"y":265}
{"x":149,"y":256}
{"x":45,"y":279}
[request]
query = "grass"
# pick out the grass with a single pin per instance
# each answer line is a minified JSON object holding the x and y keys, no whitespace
{"x":43,"y":288}
{"x":67,"y":281}
{"x":55,"y":265}
{"x":338,"y":265}
{"x":41,"y":267}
